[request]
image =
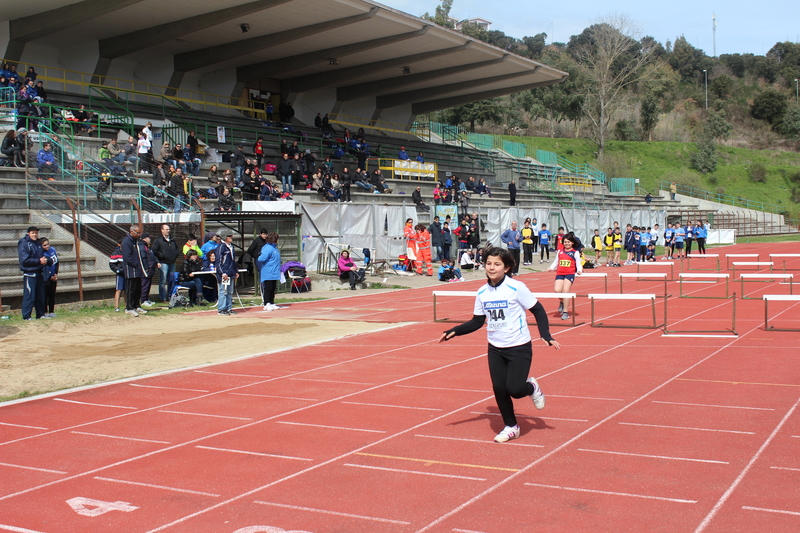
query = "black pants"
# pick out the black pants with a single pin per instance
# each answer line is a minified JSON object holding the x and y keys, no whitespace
{"x":50,"y":296}
{"x":350,"y":276}
{"x":509,"y":369}
{"x":133,"y":291}
{"x":268,"y":287}
{"x":346,"y":193}
{"x":515,"y":255}
{"x":33,"y":295}
{"x":701,"y":245}
{"x":528,"y":252}
{"x":688,"y":246}
{"x":544,"y":250}
{"x":535,"y":240}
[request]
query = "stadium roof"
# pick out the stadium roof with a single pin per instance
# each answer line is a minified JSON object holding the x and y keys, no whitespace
{"x":358,"y":48}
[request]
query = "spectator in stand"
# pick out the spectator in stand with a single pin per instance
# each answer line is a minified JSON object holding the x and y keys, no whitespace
{"x":117,"y":155}
{"x":482,"y":188}
{"x":177,"y":189}
{"x":25,"y":100}
{"x":46,"y":162}
{"x":258,"y":149}
{"x":285,"y":170}
{"x":166,"y":251}
{"x":318,"y":121}
{"x":238,"y":161}
{"x":226,"y":201}
{"x":11,"y":72}
{"x":213,"y":240}
{"x":512,"y":239}
{"x":11,"y":149}
{"x":31,"y":74}
{"x":165,"y":154}
{"x":143,"y":153}
{"x":512,"y":192}
{"x":379,"y":183}
{"x":177,"y":158}
{"x":130,"y":150}
{"x":134,"y":261}
{"x":310,"y":163}
{"x":327,"y":166}
{"x":437,"y":193}
{"x":673,"y":190}
{"x":190,"y":278}
{"x":152,"y":266}
{"x":227,"y":272}
{"x":420,"y":157}
{"x":270,"y":109}
{"x":269,"y":266}
{"x":32,"y":262}
{"x":463,"y":202}
{"x":326,"y":124}
{"x":416,"y":197}
{"x":447,"y":241}
{"x":50,"y":276}
{"x":346,"y":181}
{"x":213,"y":178}
{"x":471,"y":184}
{"x":435,"y":229}
{"x":192,"y":161}
{"x":191,"y":244}
{"x":298,"y":181}
{"x":402,"y":154}
{"x":85,"y":121}
{"x":361,"y":179}
{"x":294,"y":149}
{"x":192,"y":143}
{"x":41,"y":92}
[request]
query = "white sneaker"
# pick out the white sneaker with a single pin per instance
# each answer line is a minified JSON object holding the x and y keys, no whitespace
{"x":561,"y":307}
{"x":538,"y":395}
{"x":148,"y":303}
{"x":141,"y":311}
{"x":116,"y":309}
{"x":268,"y":307}
{"x":132,"y":312}
{"x":507,"y":434}
{"x":564,"y":316}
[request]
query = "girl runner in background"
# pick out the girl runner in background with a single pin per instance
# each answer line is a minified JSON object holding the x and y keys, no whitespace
{"x":567,"y":264}
{"x":544,"y":243}
{"x":503,"y":301}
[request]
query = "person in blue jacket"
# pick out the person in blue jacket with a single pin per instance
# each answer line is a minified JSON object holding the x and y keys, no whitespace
{"x":269,"y":266}
{"x":227,"y":272}
{"x":700,"y":235}
{"x":50,"y":275}
{"x":31,"y":263}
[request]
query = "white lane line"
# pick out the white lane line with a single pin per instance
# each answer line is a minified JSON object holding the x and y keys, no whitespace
{"x":692,"y":429}
{"x":94,"y":404}
{"x":467,"y":531}
{"x":274,"y":396}
{"x":202,"y":414}
{"x":439,"y":388}
{"x":334,"y":513}
{"x":718,"y":406}
{"x":435,"y":474}
{"x":167,"y":388}
{"x":530,"y":416}
{"x":173,"y":489}
{"x":118,"y":437}
{"x":585,"y":398}
{"x":779,"y":511}
{"x":514,"y":443}
{"x":254,"y":453}
{"x":329,"y":427}
{"x":710,"y":516}
{"x":21,"y":426}
{"x":333,"y":381}
{"x":395,"y":406}
{"x":229,"y":374}
{"x":33,"y":468}
{"x":656,"y":456}
{"x":17,"y":529}
{"x":785,"y":468}
{"x":795,"y":436}
{"x":611,"y":493}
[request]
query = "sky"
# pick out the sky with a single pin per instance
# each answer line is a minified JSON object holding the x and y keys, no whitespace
{"x":742,"y":27}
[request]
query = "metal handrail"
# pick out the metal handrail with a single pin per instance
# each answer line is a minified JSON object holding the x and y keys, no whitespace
{"x":724,"y":199}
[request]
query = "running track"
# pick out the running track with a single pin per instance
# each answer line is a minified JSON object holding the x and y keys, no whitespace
{"x":392,"y":432}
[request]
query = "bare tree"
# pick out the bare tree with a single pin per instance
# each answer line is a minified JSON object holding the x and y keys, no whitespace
{"x":612,"y":61}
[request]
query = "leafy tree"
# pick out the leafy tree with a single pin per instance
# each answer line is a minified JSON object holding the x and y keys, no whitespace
{"x":535,"y":45}
{"x":481,"y":111}
{"x":721,"y":86}
{"x":626,"y":131}
{"x":648,"y":115}
{"x":442,"y":14}
{"x":559,"y":102}
{"x":789,"y":124}
{"x":735,"y":62}
{"x":704,"y":159}
{"x":769,"y":105}
{"x":687,"y":60}
{"x":716,"y":126}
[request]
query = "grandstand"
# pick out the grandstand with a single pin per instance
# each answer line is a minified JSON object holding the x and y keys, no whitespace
{"x":215,"y":68}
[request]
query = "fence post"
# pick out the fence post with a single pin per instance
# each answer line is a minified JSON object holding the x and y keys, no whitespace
{"x":77,"y":239}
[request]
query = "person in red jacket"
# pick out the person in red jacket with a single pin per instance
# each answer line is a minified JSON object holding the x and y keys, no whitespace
{"x":423,"y":239}
{"x":410,"y":235}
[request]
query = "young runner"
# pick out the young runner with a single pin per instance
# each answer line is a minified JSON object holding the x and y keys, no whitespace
{"x":617,"y":246}
{"x":544,"y":243}
{"x":597,"y":244}
{"x":567,"y":264}
{"x":503,"y":301}
{"x":679,"y":236}
{"x":669,"y":233}
{"x":608,"y":242}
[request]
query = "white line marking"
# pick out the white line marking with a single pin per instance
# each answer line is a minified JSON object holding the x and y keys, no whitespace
{"x":719,"y":406}
{"x":95,"y":404}
{"x":118,"y":437}
{"x":228,"y":374}
{"x":435,"y":474}
{"x":514,"y":443}
{"x":335,"y":513}
{"x":273,"y":396}
{"x":439,"y":388}
{"x":585,"y":398}
{"x":203,"y":414}
{"x":699,"y":336}
{"x":33,"y":468}
{"x":334,"y":381}
{"x":254,"y":453}
{"x":779,"y":511}
{"x":655,"y":456}
{"x":710,"y":516}
{"x":530,"y":416}
{"x":167,"y":388}
{"x":796,"y":436}
{"x":173,"y":489}
{"x":18,"y":529}
{"x":785,"y":468}
{"x":330,"y":427}
{"x":395,"y":406}
{"x":610,"y":493}
{"x":21,"y":426}
{"x":468,"y":530}
{"x":682,"y":427}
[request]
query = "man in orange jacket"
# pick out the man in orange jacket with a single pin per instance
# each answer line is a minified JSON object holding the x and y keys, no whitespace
{"x":424,"y":250}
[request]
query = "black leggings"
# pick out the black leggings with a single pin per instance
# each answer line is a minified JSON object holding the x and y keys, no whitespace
{"x":528,"y":251}
{"x":50,"y":296}
{"x":688,"y":246}
{"x":509,"y":369}
{"x":535,"y":240}
{"x":544,"y":250}
{"x":701,"y":245}
{"x":268,"y":287}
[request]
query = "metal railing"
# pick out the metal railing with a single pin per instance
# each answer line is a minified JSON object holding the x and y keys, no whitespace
{"x":381,"y":127}
{"x":725,"y":199}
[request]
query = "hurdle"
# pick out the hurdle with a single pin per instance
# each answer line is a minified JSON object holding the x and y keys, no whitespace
{"x":739,"y":256}
{"x":757,"y":264}
{"x":603,"y":275}
{"x":701,"y":277}
{"x":784,"y":257}
{"x":701,"y":256}
{"x":643,"y":275}
{"x":658,"y":263}
{"x":727,"y":333}
{"x":651,"y":297}
{"x":778,"y":297}
{"x":537,"y":295}
{"x":743,"y":277}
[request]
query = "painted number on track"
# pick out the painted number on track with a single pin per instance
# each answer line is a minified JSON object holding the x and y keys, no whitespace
{"x":266,"y":529}
{"x":90,"y":507}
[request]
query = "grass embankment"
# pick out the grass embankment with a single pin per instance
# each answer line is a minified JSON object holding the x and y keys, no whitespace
{"x":653,"y":162}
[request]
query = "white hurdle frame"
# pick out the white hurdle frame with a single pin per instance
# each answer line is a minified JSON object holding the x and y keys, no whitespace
{"x":757,"y":264}
{"x":690,"y":275}
{"x":784,"y":256}
{"x":651,"y":297}
{"x":643,"y":275}
{"x":603,"y":275}
{"x":658,"y":263}
{"x":778,"y":297}
{"x":771,"y":276}
{"x":689,"y":257}
{"x":739,"y":256}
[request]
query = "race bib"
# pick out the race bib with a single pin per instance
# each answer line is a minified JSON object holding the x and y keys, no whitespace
{"x":496,"y":314}
{"x":564,"y":263}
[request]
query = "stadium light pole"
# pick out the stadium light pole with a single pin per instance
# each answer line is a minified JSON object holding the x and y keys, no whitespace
{"x":796,"y":91}
{"x":705,"y":72}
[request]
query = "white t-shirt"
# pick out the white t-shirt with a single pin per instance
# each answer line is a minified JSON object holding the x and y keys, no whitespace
{"x":535,"y":228}
{"x":504,"y":307}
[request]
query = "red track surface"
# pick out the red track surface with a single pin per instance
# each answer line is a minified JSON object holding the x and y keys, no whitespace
{"x":390,"y":431}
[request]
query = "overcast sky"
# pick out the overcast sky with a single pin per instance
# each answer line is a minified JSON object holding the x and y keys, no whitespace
{"x":742,"y":27}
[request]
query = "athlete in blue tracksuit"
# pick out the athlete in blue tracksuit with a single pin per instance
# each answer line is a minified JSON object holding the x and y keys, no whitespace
{"x":31,"y":262}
